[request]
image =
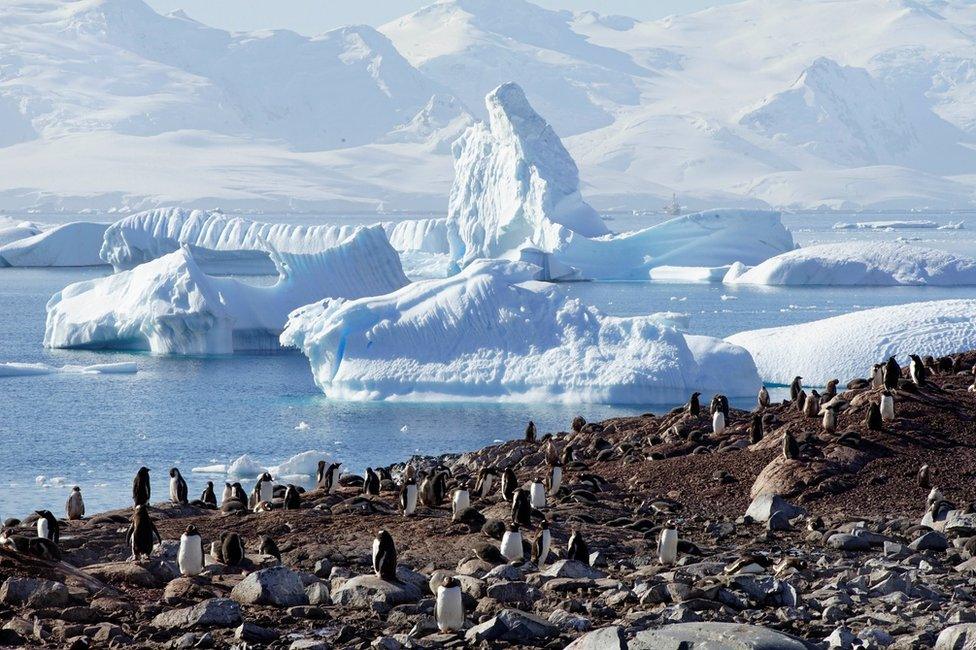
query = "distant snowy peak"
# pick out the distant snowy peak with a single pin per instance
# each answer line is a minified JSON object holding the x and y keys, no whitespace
{"x":437,"y":125}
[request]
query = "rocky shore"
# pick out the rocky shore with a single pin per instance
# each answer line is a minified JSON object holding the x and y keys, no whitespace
{"x":833,"y":539}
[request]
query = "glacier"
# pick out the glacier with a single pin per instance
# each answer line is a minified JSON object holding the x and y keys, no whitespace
{"x":860,"y":263}
{"x":847,"y":346}
{"x":70,"y":244}
{"x":492,"y":332}
{"x":170,"y":306}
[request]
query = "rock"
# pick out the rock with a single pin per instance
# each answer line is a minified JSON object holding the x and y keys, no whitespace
{"x":318,"y":594}
{"x":716,"y":635}
{"x":608,"y":638}
{"x":764,"y":505}
{"x":129,"y":573}
{"x":514,"y":626}
{"x":277,"y":586}
{"x":569,"y":622}
{"x":572,"y":569}
{"x":957,"y":637}
{"x":847,"y":542}
{"x":513,"y":593}
{"x":930,"y":541}
{"x":309,"y":644}
{"x":362,"y":591}
{"x":216,"y":612}
{"x":842,"y":637}
{"x":323,"y":568}
{"x":252,"y":633}
{"x":34,"y":592}
{"x":504,"y":572}
{"x":778,"y":521}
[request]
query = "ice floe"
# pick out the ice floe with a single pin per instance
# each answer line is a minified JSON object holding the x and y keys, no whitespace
{"x":14,"y":369}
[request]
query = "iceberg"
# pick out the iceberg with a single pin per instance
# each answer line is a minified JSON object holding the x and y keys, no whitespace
{"x":70,"y":244}
{"x":170,"y":306}
{"x":861,"y":263}
{"x":884,"y":225}
{"x":844,"y":347}
{"x":11,"y":231}
{"x":14,"y":369}
{"x":688,"y":273}
{"x":493,"y":332}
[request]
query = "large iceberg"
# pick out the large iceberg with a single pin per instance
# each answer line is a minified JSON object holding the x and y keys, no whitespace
{"x":846,"y":346}
{"x":516,"y":195}
{"x":12,"y":230}
{"x":170,"y":306}
{"x":70,"y":244}
{"x":491,"y":332}
{"x":860,"y":263}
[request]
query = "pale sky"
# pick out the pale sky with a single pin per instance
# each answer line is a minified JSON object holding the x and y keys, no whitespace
{"x":316,"y":16}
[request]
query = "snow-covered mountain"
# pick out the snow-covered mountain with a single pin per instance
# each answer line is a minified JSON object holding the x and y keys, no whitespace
{"x":805,"y":103}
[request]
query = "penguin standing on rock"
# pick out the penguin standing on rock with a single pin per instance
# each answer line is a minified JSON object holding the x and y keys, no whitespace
{"x":831,"y":391}
{"x":800,"y":401}
{"x":873,"y":418}
{"x":141,"y":490}
{"x":408,"y":497}
{"x":268,"y":547}
{"x":718,"y":422}
{"x":576,"y":548}
{"x":140,"y":533}
{"x":917,"y":370}
{"x":177,"y":487}
{"x":530,"y":432}
{"x":330,"y":477}
{"x":384,"y":556}
{"x":265,"y":488}
{"x":486,"y":480}
{"x":877,"y":375}
{"x":75,"y":507}
{"x":924,"y":477}
{"x":228,"y":493}
{"x":449,"y":609}
{"x":791,"y":450}
{"x":694,"y":406}
{"x":763,"y":398}
{"x":521,"y":508}
{"x":371,"y":484}
{"x":231,"y":548}
{"x":796,"y":386}
{"x":756,"y":428}
{"x":555,"y":478}
{"x":509,"y":484}
{"x":208,"y":495}
{"x":891,"y":374}
{"x":47,"y":526}
{"x":887,"y":406}
{"x":511,"y":546}
{"x":541,"y":544}
{"x":237,"y":493}
{"x":537,"y":494}
{"x":190,"y":555}
{"x":811,"y":406}
{"x":293,"y":500}
{"x":667,"y":545}
{"x":460,"y":500}
{"x":719,"y":403}
{"x":830,"y":419}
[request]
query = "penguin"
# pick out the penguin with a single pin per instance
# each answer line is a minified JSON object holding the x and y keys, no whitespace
{"x":719,"y":403}
{"x":537,"y":494}
{"x":555,"y":479}
{"x":75,"y":507}
{"x":48,"y":527}
{"x":935,"y":495}
{"x":509,"y":484}
{"x":521,"y":508}
{"x":578,"y":423}
{"x":756,"y":428}
{"x":254,"y":500}
{"x":576,"y":548}
{"x":268,"y":547}
{"x":877,"y":375}
{"x":831,"y":391}
{"x":237,"y":492}
{"x":177,"y":487}
{"x":511,"y":546}
{"x":667,"y":545}
{"x":141,"y":490}
{"x":408,"y":497}
{"x":330,"y":478}
{"x":207,"y":497}
{"x":228,"y":493}
{"x":190,"y":556}
{"x":694,"y":406}
{"x":795,"y":387}
{"x":265,"y":488}
{"x":486,"y":480}
{"x":763,"y":398}
{"x":321,"y":470}
{"x":718,"y":423}
{"x":460,"y":500}
{"x":568,"y":455}
{"x":384,"y":474}
{"x":371,"y":484}
{"x":917,"y":370}
{"x":530,"y":432}
{"x":892,"y":373}
{"x":384,"y":556}
{"x":887,"y":406}
{"x":231,"y":548}
{"x":800,"y":401}
{"x":440,"y":487}
{"x":293,"y":501}
{"x":140,"y":533}
{"x":449,"y":609}
{"x":830,"y":419}
{"x":811,"y":406}
{"x":541,"y":544}
{"x":924,"y":477}
{"x":873,"y":417}
{"x":791,"y":450}
{"x":38,"y":547}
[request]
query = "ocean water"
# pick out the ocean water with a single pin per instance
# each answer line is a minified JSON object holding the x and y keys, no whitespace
{"x":95,"y":431}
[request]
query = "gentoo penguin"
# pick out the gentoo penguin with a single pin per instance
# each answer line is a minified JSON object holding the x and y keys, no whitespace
{"x":576,"y":548}
{"x":141,"y":490}
{"x":719,"y":403}
{"x":408,"y":497}
{"x":830,"y":419}
{"x":449,"y":610}
{"x":537,"y":494}
{"x":330,"y":477}
{"x":541,"y":544}
{"x":47,"y":526}
{"x":190,"y":556}
{"x":795,"y":387}
{"x":763,"y":398}
{"x":208,"y":496}
{"x":265,"y":488}
{"x":924,"y":477}
{"x":831,"y":391}
{"x":555,"y":478}
{"x":141,"y":531}
{"x":75,"y":507}
{"x":667,"y":545}
{"x":509,"y":484}
{"x":811,"y":406}
{"x":293,"y":501}
{"x":800,"y":401}
{"x":917,"y":370}
{"x":718,"y":423}
{"x":756,"y":428}
{"x":228,"y":493}
{"x":460,"y":500}
{"x":530,"y":432}
{"x":791,"y":450}
{"x":877,"y":375}
{"x":268,"y":547}
{"x":511,"y":546}
{"x":521,"y":508}
{"x":694,"y":406}
{"x":892,"y":373}
{"x":371,"y":484}
{"x":237,"y":492}
{"x":231,"y":548}
{"x":887,"y":406}
{"x":177,"y":487}
{"x":486,"y":480}
{"x":384,"y":556}
{"x":873,"y":417}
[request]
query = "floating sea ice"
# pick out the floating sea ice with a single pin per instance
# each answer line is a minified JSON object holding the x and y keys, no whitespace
{"x":304,"y":464}
{"x":727,"y":297}
{"x":210,"y":469}
{"x":302,"y":426}
{"x":245,"y":466}
{"x":404,"y":429}
{"x":40,"y":479}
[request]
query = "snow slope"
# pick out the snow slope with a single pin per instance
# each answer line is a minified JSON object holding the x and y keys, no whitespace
{"x":861,"y":263}
{"x":71,"y":244}
{"x":492,"y":333}
{"x":170,"y":306}
{"x":847,"y":346}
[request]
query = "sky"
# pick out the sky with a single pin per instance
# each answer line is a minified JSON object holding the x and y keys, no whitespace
{"x":316,"y":16}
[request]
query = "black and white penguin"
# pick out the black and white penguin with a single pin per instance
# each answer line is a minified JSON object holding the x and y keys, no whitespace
{"x":541,"y":544}
{"x":330,"y":477}
{"x":791,"y":449}
{"x":569,"y":455}
{"x":231,"y":548}
{"x":924,"y":477}
{"x":667,"y":544}
{"x":719,"y":403}
{"x":238,"y":494}
{"x":460,"y":500}
{"x":576,"y":548}
{"x":530,"y":432}
{"x":537,"y":494}
{"x":254,"y":499}
{"x":141,"y":490}
{"x":718,"y":422}
{"x":38,"y":547}
{"x":485,"y":482}
{"x":178,"y":492}
{"x":873,"y":417}
{"x":694,"y":405}
{"x":48,"y":527}
{"x":228,"y":493}
{"x":408,"y":497}
{"x":265,"y":488}
{"x":831,"y":391}
{"x":208,"y":496}
{"x":521,"y":508}
{"x":877,"y":375}
{"x":449,"y":609}
{"x":795,"y":387}
{"x":830,"y":419}
{"x":511,"y":545}
{"x":892,"y":373}
{"x":141,"y":532}
{"x":917,"y":370}
{"x":321,"y":471}
{"x":800,"y":401}
{"x":371,"y":482}
{"x":763,"y":398}
{"x":75,"y":506}
{"x":293,"y":500}
{"x":756,"y":428}
{"x":268,"y":547}
{"x":190,"y":555}
{"x":555,"y":478}
{"x":384,"y":556}
{"x":887,"y":406}
{"x":811,"y":405}
{"x":440,"y":487}
{"x":509,"y":484}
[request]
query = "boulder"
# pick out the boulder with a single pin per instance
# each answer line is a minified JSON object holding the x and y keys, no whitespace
{"x":930,"y":541}
{"x":847,"y":542}
{"x":608,"y":638}
{"x":730,"y":636}
{"x":514,"y":626}
{"x":572,"y":569}
{"x":957,"y":637}
{"x":277,"y":586}
{"x":764,"y":505}
{"x":128,"y":573}
{"x":362,"y":591}
{"x":215,"y":612}
{"x":34,"y":592}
